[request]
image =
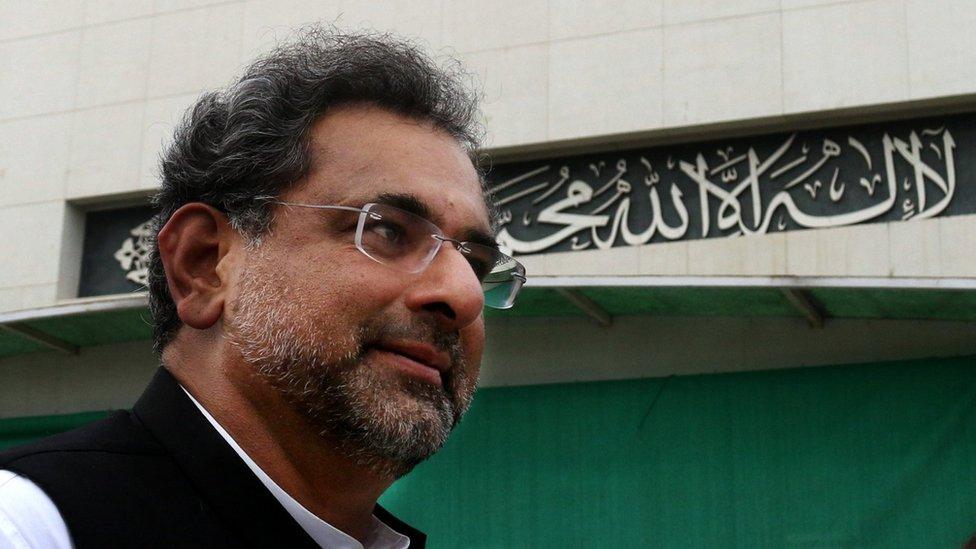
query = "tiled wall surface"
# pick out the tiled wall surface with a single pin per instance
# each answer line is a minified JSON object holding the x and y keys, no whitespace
{"x":90,"y":90}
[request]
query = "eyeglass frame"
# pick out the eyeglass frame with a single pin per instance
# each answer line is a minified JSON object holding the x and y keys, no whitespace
{"x":459,"y":245}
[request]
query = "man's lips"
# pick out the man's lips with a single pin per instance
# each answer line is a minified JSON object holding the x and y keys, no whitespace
{"x":416,"y":358}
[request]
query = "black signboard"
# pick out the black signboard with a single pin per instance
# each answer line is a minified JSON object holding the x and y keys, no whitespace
{"x":897,"y":171}
{"x":115,"y":251}
{"x":894,"y":171}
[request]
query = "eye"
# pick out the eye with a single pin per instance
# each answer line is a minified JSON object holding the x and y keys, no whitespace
{"x":481,"y":269}
{"x":480,"y":263}
{"x":388,"y":231}
{"x":385,"y":233}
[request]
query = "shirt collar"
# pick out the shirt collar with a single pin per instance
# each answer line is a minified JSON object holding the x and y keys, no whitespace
{"x":380,"y":535}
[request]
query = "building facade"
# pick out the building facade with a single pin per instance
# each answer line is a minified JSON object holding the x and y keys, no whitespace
{"x":749,"y":229}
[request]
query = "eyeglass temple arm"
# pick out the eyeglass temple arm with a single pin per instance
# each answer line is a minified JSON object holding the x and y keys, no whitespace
{"x":458,"y":243}
{"x":320,"y":206}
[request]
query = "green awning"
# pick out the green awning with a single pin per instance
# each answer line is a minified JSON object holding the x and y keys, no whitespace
{"x":120,"y":319}
{"x":924,"y":304}
{"x":68,"y":327}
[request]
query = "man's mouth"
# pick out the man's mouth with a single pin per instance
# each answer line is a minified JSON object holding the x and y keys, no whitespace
{"x":416,"y":359}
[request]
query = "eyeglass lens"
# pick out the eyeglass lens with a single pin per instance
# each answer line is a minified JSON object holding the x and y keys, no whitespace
{"x":408,"y":242}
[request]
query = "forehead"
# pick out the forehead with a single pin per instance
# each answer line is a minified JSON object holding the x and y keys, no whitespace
{"x":361,"y":152}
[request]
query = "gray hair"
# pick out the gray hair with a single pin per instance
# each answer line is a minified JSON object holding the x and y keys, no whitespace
{"x":239,"y":147}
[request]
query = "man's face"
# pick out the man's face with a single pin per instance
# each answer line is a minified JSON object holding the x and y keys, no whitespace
{"x":349,"y":342}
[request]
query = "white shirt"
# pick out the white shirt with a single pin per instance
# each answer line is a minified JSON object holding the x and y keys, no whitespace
{"x":29,"y":519}
{"x":380,"y":536}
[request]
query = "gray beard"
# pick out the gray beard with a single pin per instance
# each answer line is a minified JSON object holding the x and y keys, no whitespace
{"x":387,"y":424}
{"x":362,"y":413}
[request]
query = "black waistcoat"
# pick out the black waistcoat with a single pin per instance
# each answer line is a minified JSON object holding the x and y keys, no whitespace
{"x":160,"y":476}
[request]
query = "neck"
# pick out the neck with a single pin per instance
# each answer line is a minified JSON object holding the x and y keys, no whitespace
{"x":313,"y":469}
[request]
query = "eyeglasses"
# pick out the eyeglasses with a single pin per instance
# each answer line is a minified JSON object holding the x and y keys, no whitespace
{"x":408,"y":243}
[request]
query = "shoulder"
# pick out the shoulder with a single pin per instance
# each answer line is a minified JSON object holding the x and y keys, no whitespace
{"x":102,"y":469}
{"x":120,"y":433}
{"x":107,"y":450}
{"x":28,"y":517}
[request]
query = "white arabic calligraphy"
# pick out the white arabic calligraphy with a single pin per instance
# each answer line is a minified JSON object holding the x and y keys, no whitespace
{"x":609,"y":218}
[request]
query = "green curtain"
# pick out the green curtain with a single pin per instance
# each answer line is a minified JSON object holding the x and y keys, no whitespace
{"x":877,"y":455}
{"x":880,"y":455}
{"x":20,"y":430}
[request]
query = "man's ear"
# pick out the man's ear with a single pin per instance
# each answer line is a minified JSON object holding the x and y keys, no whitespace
{"x":191,"y":245}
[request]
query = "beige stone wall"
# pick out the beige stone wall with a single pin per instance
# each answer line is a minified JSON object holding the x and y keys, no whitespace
{"x":523,"y":351}
{"x":90,"y":90}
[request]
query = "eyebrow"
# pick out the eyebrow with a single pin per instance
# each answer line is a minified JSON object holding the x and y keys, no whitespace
{"x":479,"y":237}
{"x":416,"y":206}
{"x":405,"y":201}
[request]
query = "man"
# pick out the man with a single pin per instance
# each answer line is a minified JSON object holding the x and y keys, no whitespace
{"x":323,"y":257}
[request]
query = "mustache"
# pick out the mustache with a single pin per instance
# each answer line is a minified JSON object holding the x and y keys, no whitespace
{"x":419,"y":331}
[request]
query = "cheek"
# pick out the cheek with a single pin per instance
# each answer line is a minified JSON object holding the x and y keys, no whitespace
{"x":473,"y":343}
{"x":345,"y":280}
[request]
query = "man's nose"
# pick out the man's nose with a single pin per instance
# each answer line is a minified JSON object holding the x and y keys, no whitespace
{"x":448,"y":289}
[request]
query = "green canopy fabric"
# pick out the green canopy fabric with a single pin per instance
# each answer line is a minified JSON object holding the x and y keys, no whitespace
{"x":130,"y":322}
